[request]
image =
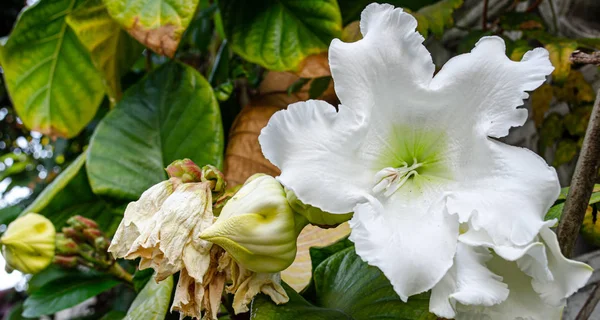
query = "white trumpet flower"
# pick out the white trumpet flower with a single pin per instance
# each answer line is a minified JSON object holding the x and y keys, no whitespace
{"x":413,"y":155}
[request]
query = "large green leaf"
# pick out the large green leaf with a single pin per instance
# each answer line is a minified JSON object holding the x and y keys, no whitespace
{"x":297,"y":308}
{"x":158,"y":24}
{"x":52,"y":82}
{"x":346,"y":288}
{"x":171,"y":114}
{"x":64,"y":293}
{"x":112,"y":50}
{"x":279,"y":34}
{"x":70,"y":194}
{"x":153,"y":301}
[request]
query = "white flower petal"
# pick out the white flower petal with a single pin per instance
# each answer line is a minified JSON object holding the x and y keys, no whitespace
{"x":569,"y":275}
{"x":316,"y":149}
{"x":496,"y":192}
{"x":468,"y":282}
{"x":522,"y":302}
{"x":553,"y":276}
{"x":531,"y":259}
{"x":414,"y":247}
{"x":491,"y":86}
{"x":387,"y":65}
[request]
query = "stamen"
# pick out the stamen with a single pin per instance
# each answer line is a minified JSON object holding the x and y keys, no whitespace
{"x":391,"y":179}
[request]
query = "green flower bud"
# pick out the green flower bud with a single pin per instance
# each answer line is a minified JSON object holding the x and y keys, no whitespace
{"x":28,"y":243}
{"x":315,"y":215}
{"x":215,"y":177}
{"x":65,"y":246}
{"x":257,"y":226}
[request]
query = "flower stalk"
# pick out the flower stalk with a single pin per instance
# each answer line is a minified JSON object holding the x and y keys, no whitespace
{"x":582,"y":184}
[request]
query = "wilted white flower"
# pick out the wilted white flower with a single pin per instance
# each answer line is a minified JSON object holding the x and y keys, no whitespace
{"x":413,"y":154}
{"x":163,"y":228}
{"x":489,"y":281}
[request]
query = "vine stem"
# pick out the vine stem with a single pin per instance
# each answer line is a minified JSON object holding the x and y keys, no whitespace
{"x":582,"y":184}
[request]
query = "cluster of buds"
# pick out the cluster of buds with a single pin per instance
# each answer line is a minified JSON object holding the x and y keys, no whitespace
{"x":82,"y":243}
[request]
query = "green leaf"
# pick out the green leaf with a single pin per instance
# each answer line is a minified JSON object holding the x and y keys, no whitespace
{"x":318,"y":86}
{"x":577,"y":120}
{"x":153,"y":301}
{"x":320,"y":254}
{"x":297,"y":85}
{"x":279,"y":34}
{"x":436,"y":17}
{"x":113,"y":315}
{"x":64,"y":293}
{"x":10,"y":213}
{"x":141,"y":277}
{"x":297,"y":308}
{"x":556,"y":210}
{"x":566,"y":150}
{"x":158,"y":24}
{"x":51,"y":80}
{"x":521,"y":21}
{"x":551,"y":130}
{"x":170,"y":114}
{"x":351,"y":9}
{"x":560,"y":52}
{"x":346,"y":288}
{"x":112,"y":50}
{"x":47,"y":275}
{"x":70,"y":194}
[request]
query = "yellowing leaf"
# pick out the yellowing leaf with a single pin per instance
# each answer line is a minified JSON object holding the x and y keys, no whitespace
{"x":112,"y":50}
{"x":540,"y":103}
{"x":436,"y":17}
{"x":50,"y":77}
{"x":158,"y":24}
{"x":566,"y":150}
{"x":560,"y":51}
{"x":298,"y":274}
{"x":576,"y":90}
{"x":351,"y":32}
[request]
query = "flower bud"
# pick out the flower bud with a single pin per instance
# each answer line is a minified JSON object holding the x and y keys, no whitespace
{"x":80,"y":223}
{"x":70,"y":232}
{"x":66,"y":262}
{"x":28,"y":243}
{"x":257,"y":227}
{"x":92,"y":234}
{"x":215,"y":177}
{"x":315,"y":215}
{"x":65,"y":246}
{"x":186,"y":170}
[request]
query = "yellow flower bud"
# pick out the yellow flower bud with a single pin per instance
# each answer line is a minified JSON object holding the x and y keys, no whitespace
{"x":28,"y":243}
{"x":258,"y":227}
{"x":315,"y":215}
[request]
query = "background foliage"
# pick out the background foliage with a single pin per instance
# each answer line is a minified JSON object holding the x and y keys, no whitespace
{"x":98,"y":96}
